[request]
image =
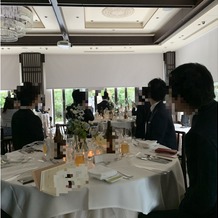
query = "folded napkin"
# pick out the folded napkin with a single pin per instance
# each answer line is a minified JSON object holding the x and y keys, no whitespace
{"x":146,"y":143}
{"x":14,"y":156}
{"x":105,"y":158}
{"x":166,"y":151}
{"x":101,"y":172}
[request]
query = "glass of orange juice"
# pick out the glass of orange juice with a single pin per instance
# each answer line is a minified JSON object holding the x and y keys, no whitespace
{"x":124,"y":148}
{"x":79,"y":158}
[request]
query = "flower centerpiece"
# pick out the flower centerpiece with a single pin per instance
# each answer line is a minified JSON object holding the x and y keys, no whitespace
{"x":78,"y":128}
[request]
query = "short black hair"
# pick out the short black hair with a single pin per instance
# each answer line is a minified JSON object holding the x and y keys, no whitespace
{"x":157,"y":89}
{"x":194,"y":83}
{"x":105,"y":96}
{"x":77,"y":96}
{"x":27,"y":93}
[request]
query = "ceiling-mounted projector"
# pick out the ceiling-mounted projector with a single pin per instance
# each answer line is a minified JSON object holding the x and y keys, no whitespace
{"x":64,"y":44}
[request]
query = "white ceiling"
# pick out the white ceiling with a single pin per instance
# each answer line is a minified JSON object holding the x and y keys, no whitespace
{"x":85,"y":21}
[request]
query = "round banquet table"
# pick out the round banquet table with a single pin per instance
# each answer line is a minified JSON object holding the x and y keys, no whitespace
{"x":153,"y":186}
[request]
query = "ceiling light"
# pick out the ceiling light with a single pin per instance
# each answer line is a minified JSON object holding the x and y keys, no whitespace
{"x":14,"y":22}
{"x":64,"y":44}
{"x":117,"y":12}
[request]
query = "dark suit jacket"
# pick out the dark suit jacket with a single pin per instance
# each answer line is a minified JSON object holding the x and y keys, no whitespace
{"x":26,"y":128}
{"x":103,"y":105}
{"x":88,"y":115}
{"x":160,"y":127}
{"x":142,"y":114}
{"x":201,"y":150}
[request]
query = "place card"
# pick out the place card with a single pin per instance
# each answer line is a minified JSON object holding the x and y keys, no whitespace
{"x":61,"y":179}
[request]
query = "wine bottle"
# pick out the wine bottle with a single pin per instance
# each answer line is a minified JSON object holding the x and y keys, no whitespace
{"x":58,"y":141}
{"x":109,"y":138}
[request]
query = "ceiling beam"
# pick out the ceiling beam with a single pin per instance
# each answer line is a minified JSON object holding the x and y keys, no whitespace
{"x":60,"y":19}
{"x":179,"y":20}
{"x":108,"y":3}
{"x":26,"y":2}
{"x":127,"y":3}
{"x":81,"y":40}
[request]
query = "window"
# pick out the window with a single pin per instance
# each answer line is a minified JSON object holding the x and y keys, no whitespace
{"x":63,"y":98}
{"x":3,"y":95}
{"x":58,"y":106}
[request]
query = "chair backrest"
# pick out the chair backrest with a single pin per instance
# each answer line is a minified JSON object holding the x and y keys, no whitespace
{"x":63,"y":128}
{"x":180,"y":136}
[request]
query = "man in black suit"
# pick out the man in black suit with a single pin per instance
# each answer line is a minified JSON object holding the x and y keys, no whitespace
{"x":104,"y":104}
{"x":192,"y":91}
{"x":160,"y":125}
{"x":141,"y":114}
{"x":26,"y":126}
{"x":79,"y":98}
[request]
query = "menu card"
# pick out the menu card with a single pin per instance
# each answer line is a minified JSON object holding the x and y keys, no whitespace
{"x":61,"y":178}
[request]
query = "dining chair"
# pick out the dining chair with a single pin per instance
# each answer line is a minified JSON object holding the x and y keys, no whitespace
{"x":63,"y":128}
{"x":6,"y":143}
{"x":180,"y":136}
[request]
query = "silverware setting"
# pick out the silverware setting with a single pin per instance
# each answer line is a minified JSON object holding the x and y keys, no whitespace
{"x":148,"y":157}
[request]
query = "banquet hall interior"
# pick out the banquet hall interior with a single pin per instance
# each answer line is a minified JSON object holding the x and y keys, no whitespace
{"x":96,"y":46}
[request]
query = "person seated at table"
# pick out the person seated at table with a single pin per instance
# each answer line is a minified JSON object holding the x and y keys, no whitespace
{"x":160,"y":125}
{"x":192,"y":90}
{"x":105,"y":104}
{"x":26,"y":126}
{"x":6,"y":115}
{"x":142,"y":112}
{"x":78,"y":101}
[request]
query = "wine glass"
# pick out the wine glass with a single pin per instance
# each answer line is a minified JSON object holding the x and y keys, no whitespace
{"x":102,"y":128}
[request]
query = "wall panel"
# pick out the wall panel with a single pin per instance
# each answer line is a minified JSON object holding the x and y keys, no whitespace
{"x":10,"y":72}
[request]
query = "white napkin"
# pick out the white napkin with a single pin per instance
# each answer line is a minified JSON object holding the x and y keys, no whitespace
{"x":102,"y":172}
{"x":146,"y":143}
{"x":15,"y":156}
{"x":105,"y":158}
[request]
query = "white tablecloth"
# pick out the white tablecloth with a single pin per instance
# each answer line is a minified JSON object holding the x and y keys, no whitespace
{"x":180,"y":128}
{"x":149,"y":189}
{"x":118,"y":123}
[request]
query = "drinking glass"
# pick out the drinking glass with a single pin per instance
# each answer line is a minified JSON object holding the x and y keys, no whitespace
{"x":124,"y":147}
{"x":79,"y":158}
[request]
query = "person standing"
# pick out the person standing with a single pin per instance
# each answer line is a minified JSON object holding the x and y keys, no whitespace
{"x":192,"y":91}
{"x":78,"y":101}
{"x":160,"y":125}
{"x":105,"y":104}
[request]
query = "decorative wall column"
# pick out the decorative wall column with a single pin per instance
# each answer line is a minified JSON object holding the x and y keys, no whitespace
{"x":170,"y":63}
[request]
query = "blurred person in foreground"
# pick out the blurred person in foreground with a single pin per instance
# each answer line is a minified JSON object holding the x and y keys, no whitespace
{"x":160,"y":125}
{"x":192,"y":90}
{"x":26,"y":126}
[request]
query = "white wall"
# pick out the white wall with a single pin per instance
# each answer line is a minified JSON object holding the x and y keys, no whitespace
{"x":10,"y":72}
{"x":110,"y":70}
{"x":204,"y":50}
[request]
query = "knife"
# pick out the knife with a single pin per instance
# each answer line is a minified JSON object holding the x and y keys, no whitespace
{"x":156,"y":159}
